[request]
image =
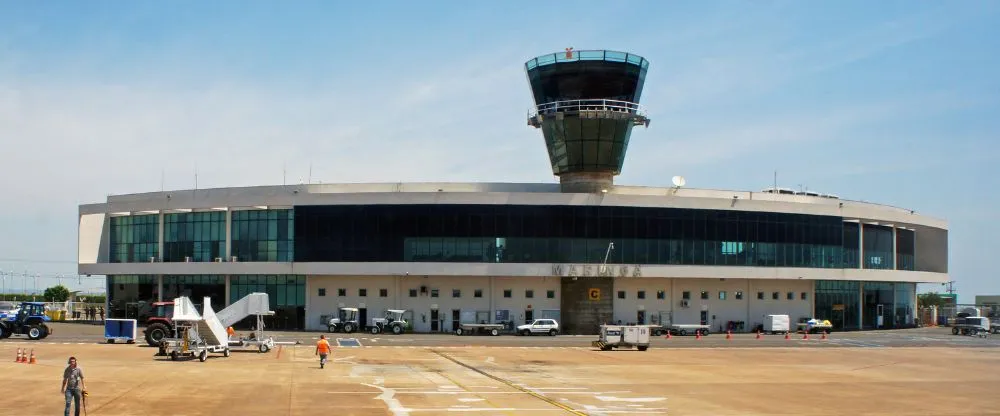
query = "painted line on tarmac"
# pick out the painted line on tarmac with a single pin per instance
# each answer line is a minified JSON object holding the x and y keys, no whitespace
{"x":511,"y":385}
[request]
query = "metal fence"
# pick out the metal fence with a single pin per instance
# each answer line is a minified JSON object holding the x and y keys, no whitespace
{"x":946,"y":315}
{"x":75,"y":311}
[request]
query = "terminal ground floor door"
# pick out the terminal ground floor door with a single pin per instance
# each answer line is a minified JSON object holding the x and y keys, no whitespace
{"x":456,"y":318}
{"x":529,"y":316}
{"x":435,"y":327}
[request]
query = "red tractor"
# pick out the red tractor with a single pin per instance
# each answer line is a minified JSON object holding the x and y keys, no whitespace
{"x":159,"y":325}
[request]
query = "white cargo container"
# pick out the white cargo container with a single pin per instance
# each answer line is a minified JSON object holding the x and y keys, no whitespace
{"x":776,"y":324}
{"x":623,"y":336}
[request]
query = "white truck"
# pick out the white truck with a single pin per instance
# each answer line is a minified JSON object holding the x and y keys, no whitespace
{"x":623,"y":336}
{"x":776,"y":324}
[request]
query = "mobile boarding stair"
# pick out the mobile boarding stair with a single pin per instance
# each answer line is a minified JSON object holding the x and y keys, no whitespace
{"x":198,"y":334}
{"x":255,"y":304}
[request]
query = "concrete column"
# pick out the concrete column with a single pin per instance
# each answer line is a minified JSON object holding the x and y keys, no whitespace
{"x":812,"y":299}
{"x":861,"y":304}
{"x":861,"y":246}
{"x":227,"y":290}
{"x":229,"y":236}
{"x":159,"y":286}
{"x":895,"y":252}
{"x":159,"y":233}
{"x":493,"y":302}
{"x":305,"y":307}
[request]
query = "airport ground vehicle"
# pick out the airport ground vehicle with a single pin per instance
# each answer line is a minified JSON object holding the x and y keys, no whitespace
{"x":347,"y":322}
{"x":392,"y":322}
{"x":623,"y":336}
{"x":30,"y":320}
{"x":492,"y":329}
{"x":776,"y":324}
{"x":814,"y":326}
{"x":974,"y":325}
{"x":159,"y":325}
{"x":685,"y":329}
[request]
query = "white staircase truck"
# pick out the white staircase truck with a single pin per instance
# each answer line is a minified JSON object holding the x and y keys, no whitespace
{"x":200,"y":334}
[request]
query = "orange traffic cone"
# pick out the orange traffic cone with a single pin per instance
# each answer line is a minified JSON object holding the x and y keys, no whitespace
{"x":824,"y":335}
{"x":729,"y":334}
{"x":806,"y":336}
{"x":697,"y":335}
{"x":787,"y":336}
{"x":32,"y":356}
{"x":668,"y":336}
{"x":18,"y":359}
{"x":758,"y":334}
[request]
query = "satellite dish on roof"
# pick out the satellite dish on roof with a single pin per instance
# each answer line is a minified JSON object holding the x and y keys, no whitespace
{"x":679,"y":181}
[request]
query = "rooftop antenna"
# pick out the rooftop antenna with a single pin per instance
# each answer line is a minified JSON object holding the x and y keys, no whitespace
{"x":195,"y":175}
{"x":310,"y":172}
{"x":284,"y":173}
{"x":163,"y":177}
{"x":775,"y":180}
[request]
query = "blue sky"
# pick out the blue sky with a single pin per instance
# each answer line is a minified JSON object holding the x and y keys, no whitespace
{"x":893,"y":102}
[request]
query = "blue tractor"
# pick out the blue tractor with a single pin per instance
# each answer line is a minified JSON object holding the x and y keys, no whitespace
{"x":30,"y":320}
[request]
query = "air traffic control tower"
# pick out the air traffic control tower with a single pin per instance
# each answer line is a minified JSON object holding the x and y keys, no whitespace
{"x":586,"y":104}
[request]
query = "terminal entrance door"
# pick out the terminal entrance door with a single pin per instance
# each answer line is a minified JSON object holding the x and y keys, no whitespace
{"x":434,"y":321}
{"x":529,"y":316}
{"x":640,"y":318}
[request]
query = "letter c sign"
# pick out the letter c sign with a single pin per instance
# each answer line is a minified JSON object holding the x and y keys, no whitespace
{"x":594,"y":294}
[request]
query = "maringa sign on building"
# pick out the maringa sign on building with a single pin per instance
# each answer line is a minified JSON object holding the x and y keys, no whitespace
{"x":568,"y":270}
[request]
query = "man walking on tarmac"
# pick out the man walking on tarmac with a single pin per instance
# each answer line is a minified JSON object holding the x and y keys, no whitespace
{"x":322,"y":349}
{"x":72,"y":386}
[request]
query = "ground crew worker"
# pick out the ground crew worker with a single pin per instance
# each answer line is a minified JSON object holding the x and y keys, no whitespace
{"x":230,"y":331}
{"x":72,"y":386}
{"x":322,"y":349}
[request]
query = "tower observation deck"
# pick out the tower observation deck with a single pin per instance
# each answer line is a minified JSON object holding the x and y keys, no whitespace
{"x":586,"y":104}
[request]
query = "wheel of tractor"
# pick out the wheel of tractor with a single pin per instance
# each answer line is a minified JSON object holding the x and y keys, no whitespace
{"x":203,"y":356}
{"x":331,"y":329}
{"x":155,"y":333}
{"x":348,"y":328}
{"x":34,"y":332}
{"x":375,"y":330}
{"x":494,"y":332}
{"x":397,"y":329}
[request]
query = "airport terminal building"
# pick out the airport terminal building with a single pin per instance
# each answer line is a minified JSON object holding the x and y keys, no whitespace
{"x":583,"y":251}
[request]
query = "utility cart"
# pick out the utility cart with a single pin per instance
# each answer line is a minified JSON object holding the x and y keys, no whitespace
{"x":120,"y":330}
{"x":622,"y":336}
{"x":492,"y":329}
{"x":685,"y":329}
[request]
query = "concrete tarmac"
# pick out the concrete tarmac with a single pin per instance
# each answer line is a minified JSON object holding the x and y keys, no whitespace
{"x":920,"y":337}
{"x":511,"y":380}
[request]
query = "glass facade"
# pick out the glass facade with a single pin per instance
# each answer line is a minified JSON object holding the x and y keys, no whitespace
{"x":200,"y":236}
{"x":905,"y":249}
{"x":878,"y":247}
{"x":134,"y":238}
{"x":837,"y":301}
{"x":196,"y":287}
{"x":260,"y":235}
{"x":566,"y":234}
{"x":287,"y":294}
{"x":888,"y":304}
{"x":852,"y":245}
{"x":131,"y":296}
